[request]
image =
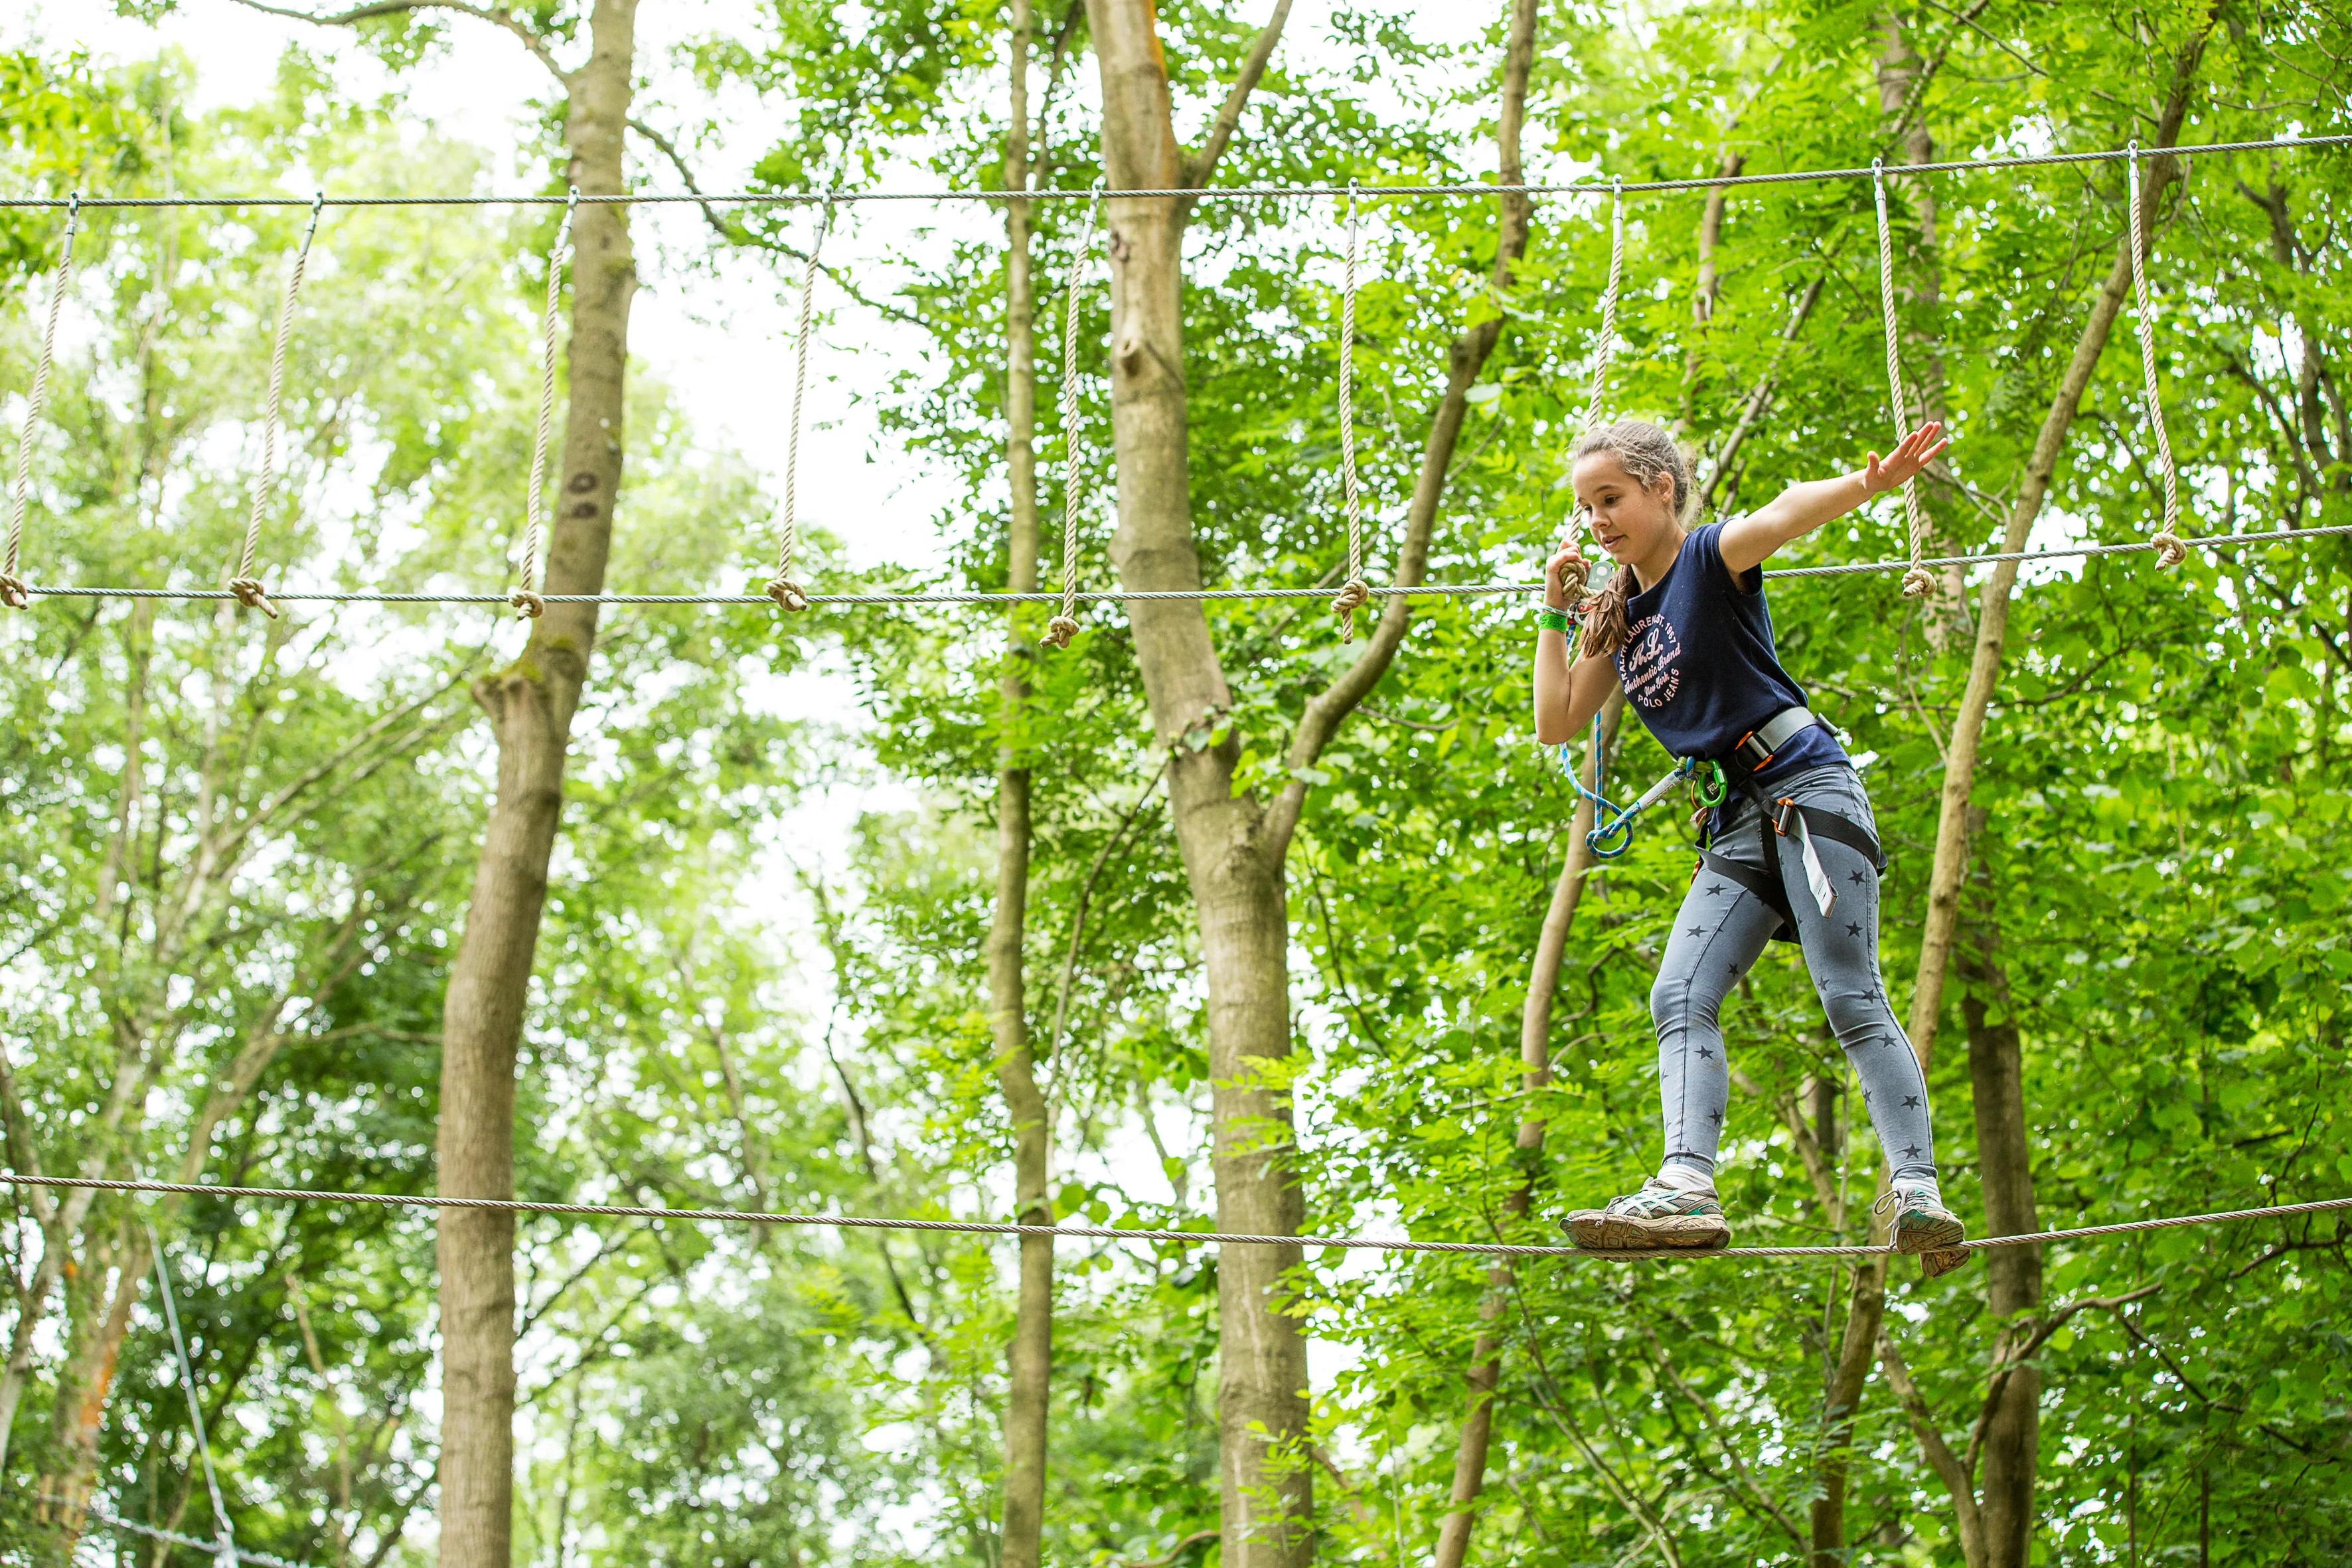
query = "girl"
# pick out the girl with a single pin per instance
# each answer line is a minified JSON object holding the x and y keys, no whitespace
{"x":1682,"y":625}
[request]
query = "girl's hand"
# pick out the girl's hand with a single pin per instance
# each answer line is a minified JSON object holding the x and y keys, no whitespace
{"x":1919,"y":448}
{"x":1564,"y":576}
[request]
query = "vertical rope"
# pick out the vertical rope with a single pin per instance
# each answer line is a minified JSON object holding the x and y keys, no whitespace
{"x":242,"y":582}
{"x":526,"y":599}
{"x":1918,"y":580}
{"x":2169,"y":551}
{"x":227,"y":1542}
{"x":1355,"y":593}
{"x":782,"y":587}
{"x":1604,"y":358}
{"x":13,"y":590}
{"x":1064,"y":627}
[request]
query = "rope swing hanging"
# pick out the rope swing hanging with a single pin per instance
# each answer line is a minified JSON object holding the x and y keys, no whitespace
{"x":527,"y":599}
{"x":1064,"y":626}
{"x":2169,"y":551}
{"x":784,"y":588}
{"x":1916,"y":579}
{"x":242,"y":582}
{"x":1355,"y":593}
{"x":13,"y":590}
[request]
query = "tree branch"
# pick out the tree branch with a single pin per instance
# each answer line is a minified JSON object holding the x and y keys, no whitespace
{"x":2009,"y":1364}
{"x":1197,"y":168}
{"x":1939,"y":1454}
{"x":530,"y":40}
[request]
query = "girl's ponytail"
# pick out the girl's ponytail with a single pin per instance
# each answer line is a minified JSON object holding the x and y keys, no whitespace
{"x":1648,"y":454}
{"x":1605,"y":623}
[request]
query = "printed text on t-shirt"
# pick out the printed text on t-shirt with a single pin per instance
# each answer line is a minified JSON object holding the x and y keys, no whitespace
{"x":1648,"y":664}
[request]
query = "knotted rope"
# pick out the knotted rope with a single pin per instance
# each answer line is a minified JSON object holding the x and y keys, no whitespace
{"x":2169,"y":551}
{"x":782,"y":588}
{"x":243,"y":582}
{"x":1355,"y":593}
{"x":13,"y":590}
{"x":1064,"y":627}
{"x":1916,"y":579}
{"x":526,"y":599}
{"x":1604,"y":358}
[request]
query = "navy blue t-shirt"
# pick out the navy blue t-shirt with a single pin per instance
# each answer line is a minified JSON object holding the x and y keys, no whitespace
{"x":1698,"y":665}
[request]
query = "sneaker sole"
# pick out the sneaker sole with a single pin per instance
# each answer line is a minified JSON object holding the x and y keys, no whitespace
{"x":1936,"y":1265}
{"x":1597,"y":1231}
{"x":1929,"y":1236}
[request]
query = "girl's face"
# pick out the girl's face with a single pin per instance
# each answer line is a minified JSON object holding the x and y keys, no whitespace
{"x":1627,"y":520}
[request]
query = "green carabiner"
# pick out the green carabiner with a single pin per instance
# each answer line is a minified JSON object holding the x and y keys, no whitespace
{"x":1711,"y":793}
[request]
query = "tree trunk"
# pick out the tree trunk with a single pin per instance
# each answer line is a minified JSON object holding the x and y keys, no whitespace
{"x":531,"y":704}
{"x":1841,"y":1399}
{"x":1030,"y":1357}
{"x":1535,"y":1075}
{"x":2012,"y":1439}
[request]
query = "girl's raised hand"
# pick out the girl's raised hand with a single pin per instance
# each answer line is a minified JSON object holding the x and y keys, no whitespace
{"x":1918,"y":449}
{"x":1564,"y":576}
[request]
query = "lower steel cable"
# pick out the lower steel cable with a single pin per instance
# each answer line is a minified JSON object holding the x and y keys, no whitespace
{"x":1114,"y":1233}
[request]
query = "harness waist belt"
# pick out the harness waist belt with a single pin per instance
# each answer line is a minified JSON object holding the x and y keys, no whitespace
{"x":1753,"y":751}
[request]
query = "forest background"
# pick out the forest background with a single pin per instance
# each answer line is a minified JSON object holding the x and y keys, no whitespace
{"x":242,"y":852}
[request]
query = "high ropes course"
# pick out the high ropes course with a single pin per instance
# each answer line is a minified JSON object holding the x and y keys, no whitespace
{"x":244,"y":584}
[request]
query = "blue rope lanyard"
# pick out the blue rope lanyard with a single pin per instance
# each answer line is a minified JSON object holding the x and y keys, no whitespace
{"x":1612,"y":826}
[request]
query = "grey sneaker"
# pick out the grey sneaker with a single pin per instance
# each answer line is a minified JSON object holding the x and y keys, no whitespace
{"x":1657,"y":1216}
{"x":1921,"y":1224}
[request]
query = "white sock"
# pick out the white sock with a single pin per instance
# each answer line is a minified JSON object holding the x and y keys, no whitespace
{"x":1920,"y":1185}
{"x":1686,"y":1178}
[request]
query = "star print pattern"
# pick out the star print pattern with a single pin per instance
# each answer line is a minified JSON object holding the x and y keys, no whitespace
{"x":1695,"y":1008}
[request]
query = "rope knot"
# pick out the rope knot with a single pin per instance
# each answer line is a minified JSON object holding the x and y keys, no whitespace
{"x":1060,"y":630}
{"x":1354,"y":596}
{"x":2169,"y":551}
{"x":788,"y":594}
{"x":1918,"y":583}
{"x":251,"y":594}
{"x":13,"y":593}
{"x":529,"y":603}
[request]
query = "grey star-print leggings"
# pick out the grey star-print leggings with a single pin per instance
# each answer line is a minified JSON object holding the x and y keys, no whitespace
{"x":1720,"y":932}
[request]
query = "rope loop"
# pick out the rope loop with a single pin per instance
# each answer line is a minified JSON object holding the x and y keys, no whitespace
{"x":535,"y":497}
{"x":1917,"y":581}
{"x":1064,"y":626}
{"x":243,"y":582}
{"x":784,"y":588}
{"x":2169,"y":551}
{"x":1604,"y":357}
{"x":14,"y":592}
{"x":1355,"y":593}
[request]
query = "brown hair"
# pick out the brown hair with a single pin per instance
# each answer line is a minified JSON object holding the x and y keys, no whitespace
{"x":1648,"y":453}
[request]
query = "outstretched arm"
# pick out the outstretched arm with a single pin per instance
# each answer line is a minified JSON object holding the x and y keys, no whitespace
{"x":1747,"y":542}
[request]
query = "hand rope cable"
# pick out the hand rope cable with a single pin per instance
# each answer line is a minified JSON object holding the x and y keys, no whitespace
{"x":1064,"y":626}
{"x":1214,"y":193}
{"x":1116,"y":1233}
{"x":529,"y":600}
{"x":2169,"y":551}
{"x":13,"y":590}
{"x":782,"y":588}
{"x":1145,"y":596}
{"x":242,"y":582}
{"x":225,"y":1547}
{"x":1916,"y":579}
{"x":1355,"y":593}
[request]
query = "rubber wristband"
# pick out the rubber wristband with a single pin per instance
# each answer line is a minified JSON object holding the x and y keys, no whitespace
{"x":1551,"y":620}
